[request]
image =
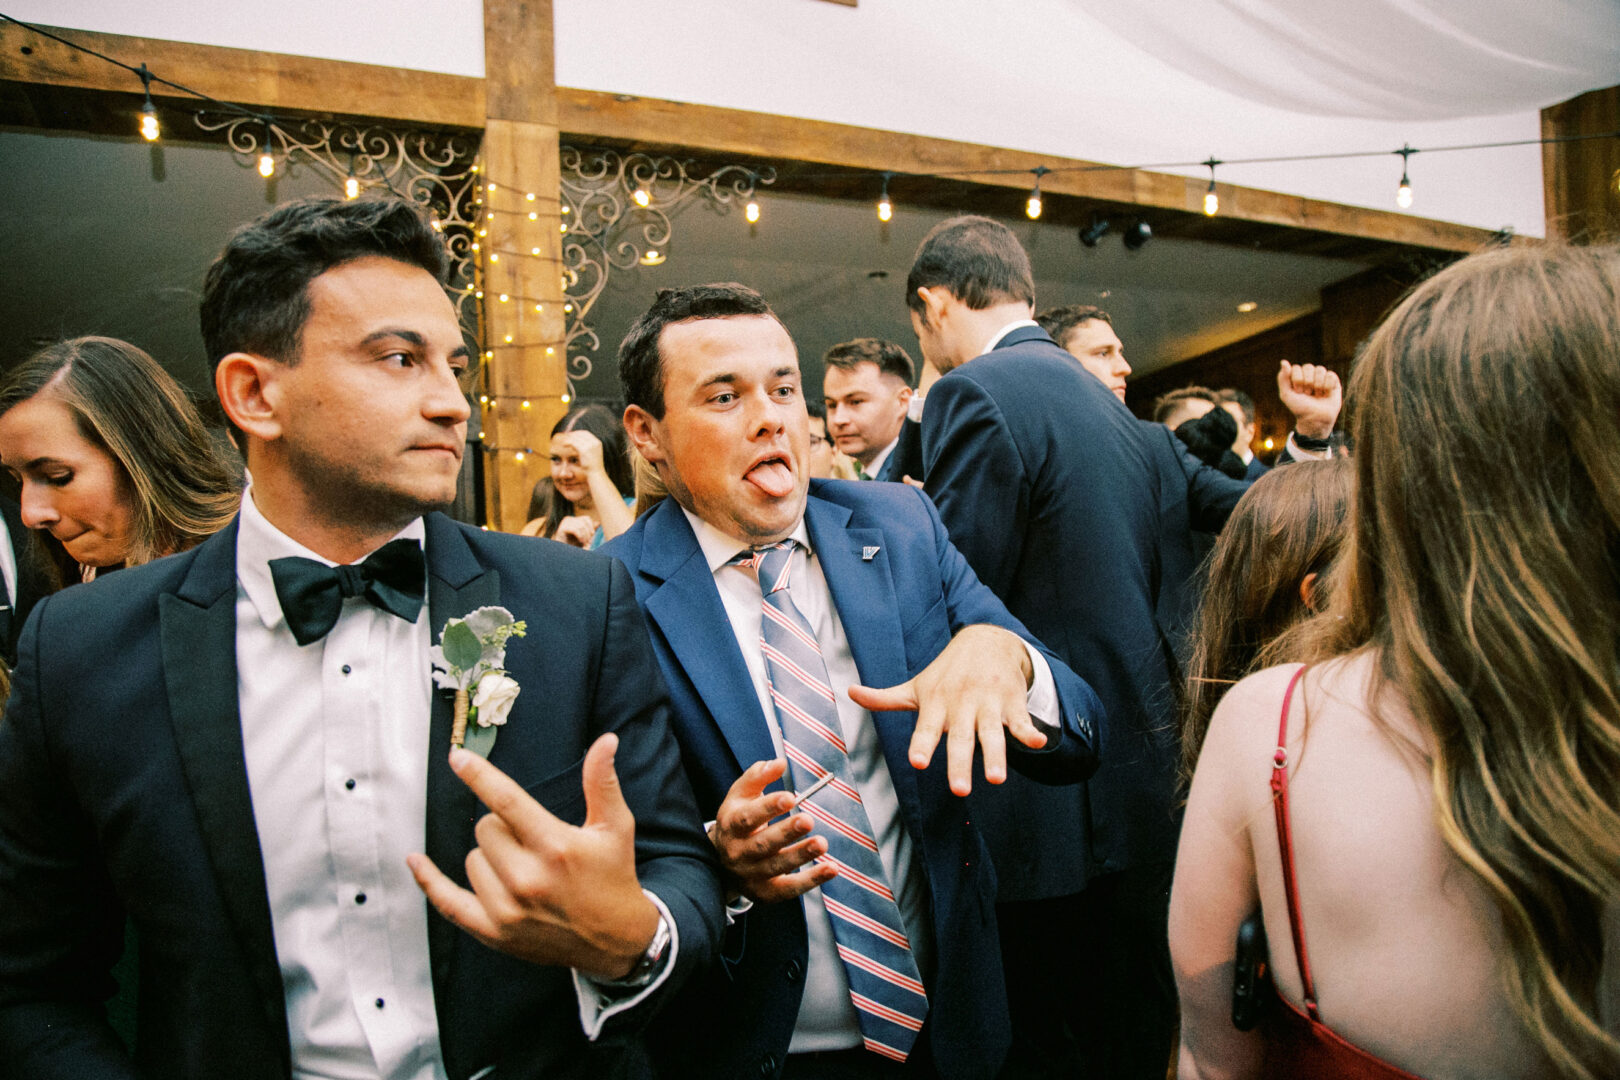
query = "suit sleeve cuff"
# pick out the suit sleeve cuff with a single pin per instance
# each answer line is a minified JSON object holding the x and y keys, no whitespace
{"x":1042,"y":701}
{"x":601,"y":1001}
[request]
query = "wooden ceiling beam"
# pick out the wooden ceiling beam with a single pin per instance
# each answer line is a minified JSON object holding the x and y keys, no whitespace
{"x":672,"y":125}
{"x":263,"y":80}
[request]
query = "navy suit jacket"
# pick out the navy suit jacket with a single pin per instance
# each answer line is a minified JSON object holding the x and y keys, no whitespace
{"x":906,"y":457}
{"x":123,"y":789}
{"x":899,"y":610}
{"x":1256,"y":469}
{"x":1077,"y":515}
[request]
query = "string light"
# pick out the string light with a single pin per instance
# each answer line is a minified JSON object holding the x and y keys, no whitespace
{"x":529,"y":196}
{"x":351,"y":186}
{"x":267,"y":164}
{"x":149,"y":118}
{"x":885,"y":208}
{"x":1403,"y":194}
{"x":643,"y":197}
{"x":752,"y":212}
{"x":1212,"y":201}
{"x":1033,"y":206}
{"x":566,"y":398}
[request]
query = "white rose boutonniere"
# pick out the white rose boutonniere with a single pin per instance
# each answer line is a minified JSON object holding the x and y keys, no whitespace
{"x":470,"y":659}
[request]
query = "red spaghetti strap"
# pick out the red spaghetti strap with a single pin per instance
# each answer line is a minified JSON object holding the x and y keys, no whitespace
{"x":1285,"y":843}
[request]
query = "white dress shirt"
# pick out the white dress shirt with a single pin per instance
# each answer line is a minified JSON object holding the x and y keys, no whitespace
{"x":995,"y":339}
{"x":8,"y":565}
{"x":336,"y":737}
{"x":827,"y":1019}
{"x":876,"y":467}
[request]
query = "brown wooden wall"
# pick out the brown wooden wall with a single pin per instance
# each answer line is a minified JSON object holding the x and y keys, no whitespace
{"x":1582,"y":179}
{"x":1332,"y":336}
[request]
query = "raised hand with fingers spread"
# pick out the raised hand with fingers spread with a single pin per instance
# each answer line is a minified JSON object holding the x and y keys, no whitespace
{"x":543,"y":890}
{"x":766,"y":859}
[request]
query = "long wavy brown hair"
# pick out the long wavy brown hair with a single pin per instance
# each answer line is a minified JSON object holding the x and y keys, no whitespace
{"x":186,"y":488}
{"x":1288,"y":526}
{"x":1483,"y":568}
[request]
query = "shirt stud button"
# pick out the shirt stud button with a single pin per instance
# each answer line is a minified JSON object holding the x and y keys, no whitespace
{"x":349,"y":783}
{"x":359,"y":898}
{"x":347,"y":669}
{"x":379,"y":1003}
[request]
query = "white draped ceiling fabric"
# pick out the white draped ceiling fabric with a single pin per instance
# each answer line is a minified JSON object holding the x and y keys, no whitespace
{"x":1381,"y":59}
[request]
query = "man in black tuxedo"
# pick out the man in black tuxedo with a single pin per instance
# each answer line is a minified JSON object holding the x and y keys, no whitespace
{"x":1076,"y":514}
{"x":242,"y":749}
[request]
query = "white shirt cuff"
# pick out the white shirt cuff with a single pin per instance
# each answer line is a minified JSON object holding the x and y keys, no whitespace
{"x":1042,"y":701}
{"x":1299,"y":453}
{"x":599,"y":1002}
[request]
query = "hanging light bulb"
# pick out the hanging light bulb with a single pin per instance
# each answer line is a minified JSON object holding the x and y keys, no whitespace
{"x":351,"y":186}
{"x":885,"y":208}
{"x":267,"y":163}
{"x":149,"y":118}
{"x":1403,"y":194}
{"x":1212,"y":201}
{"x":1032,"y":207}
{"x":752,"y":212}
{"x":642,"y":196}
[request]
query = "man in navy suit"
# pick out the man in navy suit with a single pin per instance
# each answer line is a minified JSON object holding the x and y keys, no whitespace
{"x":1077,"y":516}
{"x":898,"y":646}
{"x":867,"y":391}
{"x":241,"y":747}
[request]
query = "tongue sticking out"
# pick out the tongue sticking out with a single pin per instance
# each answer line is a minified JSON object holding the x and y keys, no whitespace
{"x":772,"y":477}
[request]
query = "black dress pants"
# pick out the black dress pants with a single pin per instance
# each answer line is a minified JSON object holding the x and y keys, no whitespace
{"x":1089,"y":982}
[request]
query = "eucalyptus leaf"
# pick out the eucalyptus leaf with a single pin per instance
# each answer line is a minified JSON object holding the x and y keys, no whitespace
{"x":480,"y":739}
{"x":462,"y":648}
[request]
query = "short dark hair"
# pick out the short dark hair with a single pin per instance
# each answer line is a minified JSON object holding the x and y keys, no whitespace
{"x":1242,"y":400}
{"x":1166,"y":404}
{"x":641,"y":368}
{"x":1059,"y":322}
{"x":890,"y":358}
{"x":979,"y":260}
{"x":255,"y":296}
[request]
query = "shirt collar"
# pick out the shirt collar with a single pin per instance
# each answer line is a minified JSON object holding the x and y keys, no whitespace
{"x":1004,"y":331}
{"x":877,"y":463}
{"x":720,"y":548}
{"x":258,"y":541}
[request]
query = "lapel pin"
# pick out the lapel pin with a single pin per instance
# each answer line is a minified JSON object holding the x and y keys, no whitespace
{"x":868,"y":554}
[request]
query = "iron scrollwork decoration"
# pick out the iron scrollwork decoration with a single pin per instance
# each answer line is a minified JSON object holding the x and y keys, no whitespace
{"x":437,"y":170}
{"x":616,"y":209}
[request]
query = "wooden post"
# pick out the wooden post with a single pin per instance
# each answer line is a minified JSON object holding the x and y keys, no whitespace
{"x":521,"y":253}
{"x":1582,"y":179}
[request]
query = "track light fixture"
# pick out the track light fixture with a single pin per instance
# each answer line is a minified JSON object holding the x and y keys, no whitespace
{"x":1090,"y":234}
{"x":1139,"y":233}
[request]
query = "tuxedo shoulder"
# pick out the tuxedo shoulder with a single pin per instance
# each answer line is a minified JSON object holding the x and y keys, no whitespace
{"x":888,"y":500}
{"x":124,"y":589}
{"x":498,"y":549}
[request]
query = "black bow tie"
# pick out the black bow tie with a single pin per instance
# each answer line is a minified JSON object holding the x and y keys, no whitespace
{"x":311,"y":593}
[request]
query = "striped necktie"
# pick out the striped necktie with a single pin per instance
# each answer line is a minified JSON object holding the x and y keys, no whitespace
{"x":884,"y":984}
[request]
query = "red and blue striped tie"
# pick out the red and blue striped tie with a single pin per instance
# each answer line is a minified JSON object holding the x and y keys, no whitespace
{"x":884,"y":985}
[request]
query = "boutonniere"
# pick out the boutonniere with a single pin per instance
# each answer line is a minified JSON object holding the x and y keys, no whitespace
{"x":470,"y":659}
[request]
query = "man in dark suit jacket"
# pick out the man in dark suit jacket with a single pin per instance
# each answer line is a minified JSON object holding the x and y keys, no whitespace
{"x":1075,"y":514}
{"x":713,"y":385}
{"x":243,"y":752}
{"x":867,"y":391}
{"x":27,"y":584}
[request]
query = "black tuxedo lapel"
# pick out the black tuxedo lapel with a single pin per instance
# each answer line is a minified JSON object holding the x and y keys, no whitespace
{"x":457,"y":584}
{"x":198,"y":636}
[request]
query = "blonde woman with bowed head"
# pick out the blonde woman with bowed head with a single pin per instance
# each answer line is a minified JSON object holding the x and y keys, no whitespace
{"x":115,"y":465}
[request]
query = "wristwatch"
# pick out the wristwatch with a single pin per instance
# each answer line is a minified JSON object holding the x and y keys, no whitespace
{"x":647,"y":966}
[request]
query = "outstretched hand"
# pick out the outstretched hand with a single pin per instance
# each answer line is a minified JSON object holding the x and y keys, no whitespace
{"x":543,"y":890}
{"x":1313,"y":395}
{"x":764,"y":860}
{"x":976,"y":690}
